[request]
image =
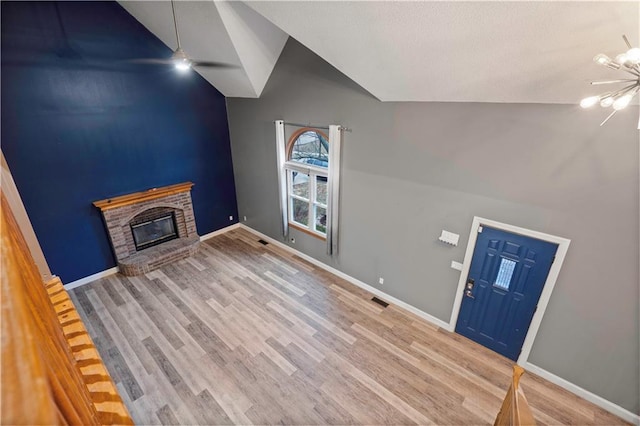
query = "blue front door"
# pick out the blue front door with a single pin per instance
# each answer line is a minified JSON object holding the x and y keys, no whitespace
{"x":507,"y":274}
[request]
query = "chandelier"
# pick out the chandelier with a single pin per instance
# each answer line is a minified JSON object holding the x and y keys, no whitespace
{"x":622,"y":95}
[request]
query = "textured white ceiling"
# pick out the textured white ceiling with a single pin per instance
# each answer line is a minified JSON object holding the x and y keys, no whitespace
{"x":515,"y":52}
{"x":222,"y":32}
{"x":446,"y":51}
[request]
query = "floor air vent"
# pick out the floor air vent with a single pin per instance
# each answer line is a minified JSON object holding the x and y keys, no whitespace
{"x":380,"y":302}
{"x":263,"y":242}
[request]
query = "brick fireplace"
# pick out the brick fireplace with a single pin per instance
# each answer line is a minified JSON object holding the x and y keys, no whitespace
{"x":147,"y":213}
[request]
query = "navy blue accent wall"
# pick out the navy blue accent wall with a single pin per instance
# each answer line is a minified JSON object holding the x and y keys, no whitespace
{"x":80,"y":124}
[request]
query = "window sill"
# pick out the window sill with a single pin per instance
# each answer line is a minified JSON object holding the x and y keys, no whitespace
{"x":306,"y":231}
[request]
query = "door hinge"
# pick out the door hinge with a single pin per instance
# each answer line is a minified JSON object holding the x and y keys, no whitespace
{"x":553,"y":259}
{"x":535,"y":309}
{"x":480,"y":229}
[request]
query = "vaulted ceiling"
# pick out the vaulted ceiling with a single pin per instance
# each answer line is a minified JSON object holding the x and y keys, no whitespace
{"x":228,"y":32}
{"x":442,"y":51}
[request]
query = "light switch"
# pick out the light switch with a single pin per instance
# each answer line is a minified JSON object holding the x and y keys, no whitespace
{"x":456,"y":265}
{"x":449,"y":238}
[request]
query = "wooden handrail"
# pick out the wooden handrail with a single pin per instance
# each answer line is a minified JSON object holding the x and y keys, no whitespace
{"x":515,"y":409}
{"x":46,"y":351}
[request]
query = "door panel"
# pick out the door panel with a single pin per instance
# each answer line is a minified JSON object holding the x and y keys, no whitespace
{"x":507,"y":275}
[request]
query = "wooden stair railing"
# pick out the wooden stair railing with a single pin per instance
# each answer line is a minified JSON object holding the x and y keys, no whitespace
{"x":515,"y":409}
{"x":51,"y":371}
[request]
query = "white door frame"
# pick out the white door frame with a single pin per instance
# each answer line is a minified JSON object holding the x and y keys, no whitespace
{"x":563,"y":246}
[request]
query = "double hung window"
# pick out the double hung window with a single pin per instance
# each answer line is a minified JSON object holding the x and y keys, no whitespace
{"x":306,"y":166}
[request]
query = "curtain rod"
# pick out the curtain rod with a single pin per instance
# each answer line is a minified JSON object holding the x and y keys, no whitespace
{"x":345,"y":129}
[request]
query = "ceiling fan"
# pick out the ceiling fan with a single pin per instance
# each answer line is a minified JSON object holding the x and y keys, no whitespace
{"x":180,"y":59}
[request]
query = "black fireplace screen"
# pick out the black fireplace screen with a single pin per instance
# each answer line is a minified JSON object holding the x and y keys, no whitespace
{"x":154,"y":231}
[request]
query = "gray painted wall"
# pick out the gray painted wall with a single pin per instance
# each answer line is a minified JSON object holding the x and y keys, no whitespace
{"x":413,"y":169}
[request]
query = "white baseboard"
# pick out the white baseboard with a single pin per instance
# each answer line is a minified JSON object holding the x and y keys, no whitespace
{"x":623,"y":413}
{"x":577,"y":390}
{"x":219,"y":231}
{"x":583,"y":393}
{"x":115,"y":269}
{"x":352,"y":280}
{"x":91,"y":278}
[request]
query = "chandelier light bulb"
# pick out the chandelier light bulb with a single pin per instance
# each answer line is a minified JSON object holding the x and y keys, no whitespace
{"x":183,"y":65}
{"x":622,"y":102}
{"x":621,"y":58}
{"x":633,"y":55}
{"x":590,"y":101}
{"x":602,"y":59}
{"x":606,"y":102}
{"x":619,"y":97}
{"x":180,"y":60}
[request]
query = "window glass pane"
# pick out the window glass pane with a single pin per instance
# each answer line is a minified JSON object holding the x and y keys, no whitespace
{"x":503,"y":280}
{"x":311,"y":148}
{"x":321,"y":189}
{"x":300,"y":184}
{"x":321,"y":219}
{"x":300,"y":213}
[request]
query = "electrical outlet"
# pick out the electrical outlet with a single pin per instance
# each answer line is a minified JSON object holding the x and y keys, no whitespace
{"x":381,"y":280}
{"x":230,"y":217}
{"x":293,"y":240}
{"x":245,"y":218}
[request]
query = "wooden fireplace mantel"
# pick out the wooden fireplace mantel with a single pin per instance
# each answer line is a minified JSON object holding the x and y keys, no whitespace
{"x":137,"y":197}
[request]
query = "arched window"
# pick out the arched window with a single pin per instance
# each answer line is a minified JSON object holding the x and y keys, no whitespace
{"x":307,"y":165}
{"x":309,"y":181}
{"x":309,"y":146}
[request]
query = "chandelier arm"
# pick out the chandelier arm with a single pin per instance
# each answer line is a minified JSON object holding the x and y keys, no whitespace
{"x":595,"y":83}
{"x":625,"y":90}
{"x":628,"y":62}
{"x":608,"y":117}
{"x":632,"y":71}
{"x":631,"y":89}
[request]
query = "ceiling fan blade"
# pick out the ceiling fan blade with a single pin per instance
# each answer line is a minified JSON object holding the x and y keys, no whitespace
{"x":211,"y":64}
{"x":150,"y":61}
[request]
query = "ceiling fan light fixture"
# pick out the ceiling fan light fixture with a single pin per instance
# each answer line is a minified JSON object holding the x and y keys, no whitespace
{"x":183,"y":65}
{"x":180,"y":60}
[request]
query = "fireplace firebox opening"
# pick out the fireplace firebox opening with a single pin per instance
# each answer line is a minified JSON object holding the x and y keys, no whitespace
{"x":155,"y":231}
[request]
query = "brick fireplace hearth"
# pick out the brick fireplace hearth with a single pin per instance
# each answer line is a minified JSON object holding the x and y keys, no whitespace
{"x":121,"y":212}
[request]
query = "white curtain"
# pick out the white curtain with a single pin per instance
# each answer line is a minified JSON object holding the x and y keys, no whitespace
{"x":333,"y":208}
{"x":282,"y":177}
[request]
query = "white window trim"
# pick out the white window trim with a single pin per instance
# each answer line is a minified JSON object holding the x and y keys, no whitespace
{"x":313,"y":173}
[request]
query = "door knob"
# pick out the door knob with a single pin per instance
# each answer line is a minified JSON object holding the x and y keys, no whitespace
{"x":468,"y":294}
{"x":470,"y":284}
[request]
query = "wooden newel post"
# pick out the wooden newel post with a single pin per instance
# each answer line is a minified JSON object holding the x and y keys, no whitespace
{"x":515,"y":409}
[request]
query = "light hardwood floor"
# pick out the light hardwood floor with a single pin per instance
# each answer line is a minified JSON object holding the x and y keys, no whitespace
{"x":247,"y":333}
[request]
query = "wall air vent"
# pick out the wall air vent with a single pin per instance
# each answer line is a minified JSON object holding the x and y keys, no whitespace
{"x":380,"y":302}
